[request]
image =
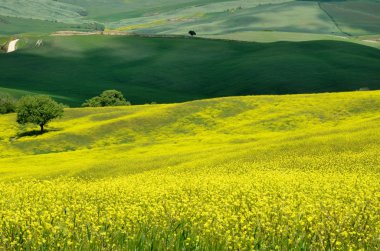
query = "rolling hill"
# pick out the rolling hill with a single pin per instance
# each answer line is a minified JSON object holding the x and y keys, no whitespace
{"x":211,"y":17}
{"x":275,"y":172}
{"x":256,"y":129}
{"x":260,"y":133}
{"x":166,"y":70}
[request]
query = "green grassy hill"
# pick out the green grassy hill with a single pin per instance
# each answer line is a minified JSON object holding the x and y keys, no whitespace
{"x":164,"y":70}
{"x":14,"y":25}
{"x":257,"y":172}
{"x":211,"y":17}
{"x":354,"y":17}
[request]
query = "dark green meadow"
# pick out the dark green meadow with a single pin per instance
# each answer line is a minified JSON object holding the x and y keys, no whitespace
{"x":15,"y":25}
{"x":166,"y":70}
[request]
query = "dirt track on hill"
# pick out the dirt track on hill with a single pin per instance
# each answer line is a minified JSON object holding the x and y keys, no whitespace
{"x":12,"y":45}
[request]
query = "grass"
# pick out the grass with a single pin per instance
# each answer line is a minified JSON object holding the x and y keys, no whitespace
{"x":273,"y":36}
{"x":260,"y":16}
{"x":355,"y":17}
{"x":211,"y":17}
{"x":255,"y":172}
{"x":16,"y":25}
{"x":20,"y":93}
{"x":167,"y":70}
{"x":42,"y":10}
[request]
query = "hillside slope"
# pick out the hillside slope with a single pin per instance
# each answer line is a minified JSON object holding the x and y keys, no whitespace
{"x":211,"y":17}
{"x":239,"y":173}
{"x":167,"y":70}
{"x":272,"y":131}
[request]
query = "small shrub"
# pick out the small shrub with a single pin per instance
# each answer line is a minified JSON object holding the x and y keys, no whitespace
{"x":107,"y":98}
{"x":7,"y":104}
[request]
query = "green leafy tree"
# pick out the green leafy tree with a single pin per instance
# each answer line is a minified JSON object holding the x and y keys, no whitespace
{"x":7,"y":104}
{"x":107,"y":98}
{"x":38,"y":110}
{"x":192,"y":33}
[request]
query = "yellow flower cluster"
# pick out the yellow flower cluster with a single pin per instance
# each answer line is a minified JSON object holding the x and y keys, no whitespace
{"x":258,"y":209}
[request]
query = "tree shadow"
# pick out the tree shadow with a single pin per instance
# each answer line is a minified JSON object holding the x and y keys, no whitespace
{"x":34,"y":133}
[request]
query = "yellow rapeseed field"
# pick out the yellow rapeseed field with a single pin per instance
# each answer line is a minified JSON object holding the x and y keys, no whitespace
{"x":297,"y":172}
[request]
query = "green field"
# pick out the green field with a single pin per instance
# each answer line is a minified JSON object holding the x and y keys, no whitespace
{"x":14,"y":25}
{"x":256,"y":172}
{"x":275,"y":36}
{"x":355,"y":17}
{"x":167,"y":70}
{"x":211,"y":17}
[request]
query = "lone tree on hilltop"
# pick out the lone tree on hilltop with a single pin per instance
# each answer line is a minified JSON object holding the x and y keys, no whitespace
{"x":192,"y":33}
{"x":38,"y":110}
{"x":107,"y":98}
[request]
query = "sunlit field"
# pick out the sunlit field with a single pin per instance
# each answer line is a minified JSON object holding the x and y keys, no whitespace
{"x":208,"y":17}
{"x":292,"y":172}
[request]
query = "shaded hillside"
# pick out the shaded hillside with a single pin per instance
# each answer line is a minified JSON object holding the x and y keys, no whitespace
{"x":167,"y":70}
